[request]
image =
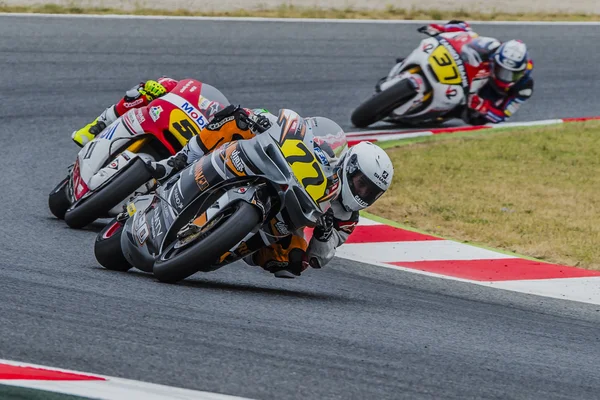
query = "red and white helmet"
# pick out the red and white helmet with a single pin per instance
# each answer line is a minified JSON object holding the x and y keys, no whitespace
{"x":366,"y":173}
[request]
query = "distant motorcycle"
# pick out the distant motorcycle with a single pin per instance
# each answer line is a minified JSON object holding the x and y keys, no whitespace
{"x":111,"y":168}
{"x":200,"y":220}
{"x":426,"y":86}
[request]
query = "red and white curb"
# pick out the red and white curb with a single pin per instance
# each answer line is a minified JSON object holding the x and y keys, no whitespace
{"x":383,"y":245}
{"x":387,"y":135}
{"x":75,"y":383}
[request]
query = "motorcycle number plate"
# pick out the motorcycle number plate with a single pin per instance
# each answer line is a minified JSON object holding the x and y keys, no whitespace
{"x":444,"y":67}
{"x":306,"y":168}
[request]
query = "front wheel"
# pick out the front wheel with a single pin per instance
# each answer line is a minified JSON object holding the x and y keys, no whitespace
{"x":101,"y":202}
{"x":58,"y":201}
{"x":381,"y":104}
{"x":107,"y":247}
{"x":178,"y":261}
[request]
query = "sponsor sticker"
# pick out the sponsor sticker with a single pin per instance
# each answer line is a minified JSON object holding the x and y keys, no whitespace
{"x":155,"y":112}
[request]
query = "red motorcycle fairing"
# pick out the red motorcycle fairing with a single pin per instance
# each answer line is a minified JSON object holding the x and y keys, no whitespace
{"x":178,"y":116}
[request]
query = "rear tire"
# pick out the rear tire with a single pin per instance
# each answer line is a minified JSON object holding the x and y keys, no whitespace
{"x":58,"y":201}
{"x":107,"y":247}
{"x":101,"y":202}
{"x":212,"y":245}
{"x":381,"y":104}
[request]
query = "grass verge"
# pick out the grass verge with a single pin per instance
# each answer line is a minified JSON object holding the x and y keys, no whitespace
{"x":290,"y":11}
{"x":533,"y":191}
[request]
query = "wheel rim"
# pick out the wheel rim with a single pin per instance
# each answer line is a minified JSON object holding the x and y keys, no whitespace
{"x":178,"y":246}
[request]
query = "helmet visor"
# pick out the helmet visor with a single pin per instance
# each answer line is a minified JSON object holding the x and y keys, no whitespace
{"x":365,"y":192}
{"x":506,"y":75}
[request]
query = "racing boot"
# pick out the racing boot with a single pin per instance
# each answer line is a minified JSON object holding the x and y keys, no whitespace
{"x":164,"y":169}
{"x":284,"y":259}
{"x":90,"y":131}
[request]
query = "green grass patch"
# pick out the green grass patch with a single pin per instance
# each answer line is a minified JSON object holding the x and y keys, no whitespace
{"x":532,"y":191}
{"x":290,"y":11}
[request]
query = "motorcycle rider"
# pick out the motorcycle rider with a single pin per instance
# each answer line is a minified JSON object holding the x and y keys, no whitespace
{"x":365,"y":172}
{"x":509,"y":83}
{"x":138,"y":96}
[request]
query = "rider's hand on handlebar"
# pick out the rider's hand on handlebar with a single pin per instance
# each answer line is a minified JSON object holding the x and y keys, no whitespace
{"x":324,"y":228}
{"x":259,"y":124}
{"x":152,"y":90}
{"x":478,"y":104}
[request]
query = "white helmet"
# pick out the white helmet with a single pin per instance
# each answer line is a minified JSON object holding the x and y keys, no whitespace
{"x":366,"y":174}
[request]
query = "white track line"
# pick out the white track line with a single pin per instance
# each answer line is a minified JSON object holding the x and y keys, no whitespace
{"x":301,"y":20}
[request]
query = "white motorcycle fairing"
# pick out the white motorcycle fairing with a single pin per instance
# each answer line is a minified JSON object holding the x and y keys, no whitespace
{"x":96,"y":163}
{"x":438,"y":74}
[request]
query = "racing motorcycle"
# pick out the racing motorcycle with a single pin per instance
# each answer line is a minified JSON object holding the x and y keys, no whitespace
{"x":111,"y":168}
{"x":434,"y":80}
{"x":206,"y":217}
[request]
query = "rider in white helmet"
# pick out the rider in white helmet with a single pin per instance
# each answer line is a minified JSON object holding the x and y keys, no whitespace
{"x":356,"y":177}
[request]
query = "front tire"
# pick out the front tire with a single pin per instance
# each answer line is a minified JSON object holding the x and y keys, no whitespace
{"x":101,"y":202}
{"x":381,"y":104}
{"x":107,"y":247}
{"x":58,"y":201}
{"x":173,"y":266}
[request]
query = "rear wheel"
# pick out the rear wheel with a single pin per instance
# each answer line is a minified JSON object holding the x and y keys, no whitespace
{"x":185,"y":257}
{"x":101,"y":202}
{"x":107,"y":247}
{"x":382,"y":104}
{"x":58,"y":201}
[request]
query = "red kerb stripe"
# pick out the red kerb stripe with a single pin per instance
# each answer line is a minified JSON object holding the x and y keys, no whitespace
{"x":385,"y":233}
{"x":508,"y":269}
{"x":15,"y":372}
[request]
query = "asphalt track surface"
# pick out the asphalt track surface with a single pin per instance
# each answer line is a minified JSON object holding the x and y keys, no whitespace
{"x":347,"y":331}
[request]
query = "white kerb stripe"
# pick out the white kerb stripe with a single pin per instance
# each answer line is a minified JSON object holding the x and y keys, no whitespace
{"x":530,"y":123}
{"x":362,"y":221}
{"x":428,"y":250}
{"x":586,"y":289}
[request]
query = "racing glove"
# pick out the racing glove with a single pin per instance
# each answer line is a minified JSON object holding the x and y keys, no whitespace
{"x":478,"y":104}
{"x":152,"y":90}
{"x":244,"y":119}
{"x":324,"y":228}
{"x":481,"y":111}
{"x":322,"y":233}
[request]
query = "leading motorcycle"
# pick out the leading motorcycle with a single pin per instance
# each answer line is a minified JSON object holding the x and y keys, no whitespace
{"x":232,"y":202}
{"x":434,"y":80}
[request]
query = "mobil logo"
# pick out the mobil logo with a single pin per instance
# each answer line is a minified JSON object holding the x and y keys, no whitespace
{"x":195,"y":114}
{"x":187,"y":107}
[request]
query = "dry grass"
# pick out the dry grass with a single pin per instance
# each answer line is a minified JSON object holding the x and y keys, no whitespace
{"x":290,"y":11}
{"x":534,"y":191}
